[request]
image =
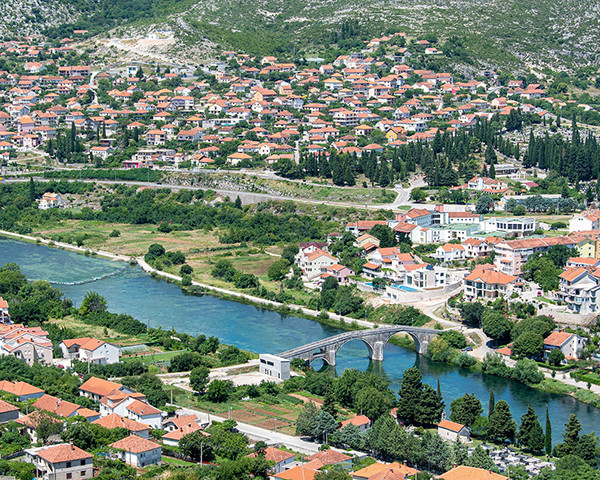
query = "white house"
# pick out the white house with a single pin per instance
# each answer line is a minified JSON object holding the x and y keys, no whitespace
{"x":138,"y":452}
{"x":4,"y":316}
{"x":450,"y":252}
{"x":90,"y":350}
{"x":144,"y":413}
{"x":588,"y":220}
{"x":50,"y":200}
{"x":580,"y":289}
{"x":362,"y":422}
{"x":60,"y":462}
{"x":315,"y":263}
{"x":568,"y":343}
{"x":451,"y":431}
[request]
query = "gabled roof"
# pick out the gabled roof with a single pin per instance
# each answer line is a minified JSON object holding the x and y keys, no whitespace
{"x":329,"y":457}
{"x":63,"y":453}
{"x":490,"y":277}
{"x":273,"y":454}
{"x":557,"y":339}
{"x":99,"y":386}
{"x":452,"y":426}
{"x":471,"y":473}
{"x":117,"y":421}
{"x":142,"y":409}
{"x":19,"y":388}
{"x":135,"y":444}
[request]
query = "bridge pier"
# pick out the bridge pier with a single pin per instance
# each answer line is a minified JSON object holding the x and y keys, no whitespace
{"x":330,"y":353}
{"x":376,"y":351}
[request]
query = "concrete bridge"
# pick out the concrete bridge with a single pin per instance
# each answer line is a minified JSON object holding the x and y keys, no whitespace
{"x":327,"y":348}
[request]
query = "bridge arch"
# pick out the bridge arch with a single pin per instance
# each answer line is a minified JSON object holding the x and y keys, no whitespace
{"x":375,"y":339}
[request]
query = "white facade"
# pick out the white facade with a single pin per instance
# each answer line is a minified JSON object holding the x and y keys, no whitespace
{"x":274,"y":366}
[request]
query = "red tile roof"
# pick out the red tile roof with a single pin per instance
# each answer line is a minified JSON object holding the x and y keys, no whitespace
{"x":63,"y":453}
{"x":135,"y":444}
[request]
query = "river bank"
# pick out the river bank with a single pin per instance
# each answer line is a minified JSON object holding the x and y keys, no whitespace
{"x":549,"y":385}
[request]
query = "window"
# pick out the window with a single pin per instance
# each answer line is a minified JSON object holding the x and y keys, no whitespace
{"x":69,"y":475}
{"x":83,"y":473}
{"x":83,"y":462}
{"x":68,"y":464}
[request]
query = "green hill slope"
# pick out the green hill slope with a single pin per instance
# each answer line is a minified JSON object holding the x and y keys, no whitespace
{"x":485,"y":32}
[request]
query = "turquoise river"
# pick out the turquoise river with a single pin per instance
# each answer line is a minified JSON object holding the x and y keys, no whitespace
{"x":160,"y":303}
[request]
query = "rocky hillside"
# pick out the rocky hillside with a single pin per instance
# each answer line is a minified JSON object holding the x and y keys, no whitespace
{"x":534,"y":33}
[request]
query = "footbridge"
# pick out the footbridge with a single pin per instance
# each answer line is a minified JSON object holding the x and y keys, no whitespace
{"x":375,"y":338}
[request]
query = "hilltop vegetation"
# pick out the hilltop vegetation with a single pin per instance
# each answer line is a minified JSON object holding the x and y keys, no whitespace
{"x":477,"y":34}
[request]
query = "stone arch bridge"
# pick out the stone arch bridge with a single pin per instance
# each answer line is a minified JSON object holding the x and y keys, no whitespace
{"x":375,"y":338}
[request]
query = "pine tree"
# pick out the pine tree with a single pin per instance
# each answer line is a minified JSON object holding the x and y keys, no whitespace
{"x":492,"y":403}
{"x":530,"y":431}
{"x":571,"y":436}
{"x":329,"y":402}
{"x":501,"y":426}
{"x":492,"y":171}
{"x":548,"y":433}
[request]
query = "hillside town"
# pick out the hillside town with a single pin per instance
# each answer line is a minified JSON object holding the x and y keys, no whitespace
{"x":476,"y":225}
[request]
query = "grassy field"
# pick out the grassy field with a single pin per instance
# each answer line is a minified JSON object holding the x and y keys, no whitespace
{"x":85,"y":330}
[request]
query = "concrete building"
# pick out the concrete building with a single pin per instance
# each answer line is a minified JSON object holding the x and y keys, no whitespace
{"x":4,"y":315}
{"x":280,"y":458}
{"x":138,"y":452}
{"x":90,"y":350}
{"x":580,"y":289}
{"x":585,"y":221}
{"x":511,"y":255}
{"x":22,"y":390}
{"x":489,"y":284}
{"x":274,"y":366}
{"x":8,"y":412}
{"x":60,"y":462}
{"x":50,"y":200}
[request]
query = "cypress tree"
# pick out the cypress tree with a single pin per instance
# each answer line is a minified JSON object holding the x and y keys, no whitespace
{"x":492,"y":403}
{"x":31,"y":191}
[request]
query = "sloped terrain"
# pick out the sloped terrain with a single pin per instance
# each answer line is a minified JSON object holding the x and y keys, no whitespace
{"x":534,"y":33}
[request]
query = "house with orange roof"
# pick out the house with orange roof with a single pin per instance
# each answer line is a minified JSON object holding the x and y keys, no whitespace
{"x":62,"y":408}
{"x":452,"y":431}
{"x":462,"y":472}
{"x":60,"y":462}
{"x":4,"y":315}
{"x":96,"y":388}
{"x":315,"y":263}
{"x":586,"y":220}
{"x":50,"y":200}
{"x":22,"y":390}
{"x":450,"y":252}
{"x":280,"y":458}
{"x":489,"y":284}
{"x":361,"y":421}
{"x":300,"y":472}
{"x":140,"y":411}
{"x":580,"y":289}
{"x":8,"y":412}
{"x":138,"y":452}
{"x":90,"y":350}
{"x":570,"y":344}
{"x":382,"y":471}
{"x":117,"y":421}
{"x":30,"y":344}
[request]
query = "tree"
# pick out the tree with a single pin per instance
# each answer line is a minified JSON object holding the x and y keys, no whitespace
{"x":199,"y":378}
{"x":372,"y":402}
{"x":324,"y":424}
{"x":306,"y":420}
{"x":472,"y":313}
{"x":224,"y":269}
{"x":526,"y":371}
{"x":480,"y":458}
{"x":278,"y":269}
{"x":528,"y":344}
{"x":501,"y":426}
{"x":410,"y":393}
{"x":485,"y":204}
{"x":556,"y":357}
{"x":91,"y":303}
{"x":465,"y":409}
{"x":548,"y":434}
{"x":46,"y":426}
{"x":570,"y":437}
{"x":329,"y":402}
{"x":385,"y":235}
{"x":218,"y":390}
{"x":195,"y":445}
{"x":495,"y":325}
{"x":437,"y":452}
{"x":32,"y":194}
{"x":530,"y":434}
{"x":491,"y":403}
